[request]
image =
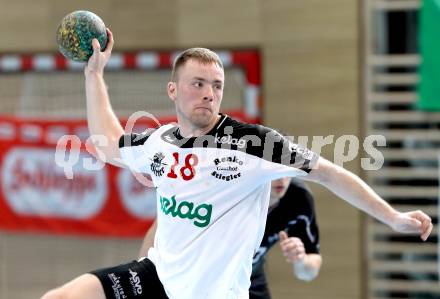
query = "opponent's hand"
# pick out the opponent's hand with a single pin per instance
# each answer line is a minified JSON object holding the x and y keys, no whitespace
{"x":413,"y":222}
{"x":99,"y":59}
{"x":292,"y":248}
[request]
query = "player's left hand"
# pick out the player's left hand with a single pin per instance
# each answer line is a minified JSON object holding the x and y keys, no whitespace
{"x":413,"y":222}
{"x":292,"y":248}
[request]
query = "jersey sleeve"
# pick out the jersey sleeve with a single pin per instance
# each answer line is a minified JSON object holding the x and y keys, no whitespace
{"x":134,"y":151}
{"x":281,"y":157}
{"x":303,"y":225}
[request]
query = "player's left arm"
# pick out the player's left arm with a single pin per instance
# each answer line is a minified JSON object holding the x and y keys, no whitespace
{"x":303,"y":203}
{"x":352,"y":189}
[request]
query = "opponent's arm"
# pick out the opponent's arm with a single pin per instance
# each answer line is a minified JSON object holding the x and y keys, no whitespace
{"x":101,"y":119}
{"x":306,"y":266}
{"x":355,"y":191}
{"x":148,"y":240}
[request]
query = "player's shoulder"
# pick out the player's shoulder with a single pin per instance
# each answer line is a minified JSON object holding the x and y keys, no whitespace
{"x":239,"y":129}
{"x":138,"y":139}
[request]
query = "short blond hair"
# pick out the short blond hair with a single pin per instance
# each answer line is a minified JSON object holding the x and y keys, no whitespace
{"x":202,"y":55}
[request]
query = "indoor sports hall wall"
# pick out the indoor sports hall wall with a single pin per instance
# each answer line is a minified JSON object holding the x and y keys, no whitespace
{"x":401,"y":103}
{"x":309,"y":53}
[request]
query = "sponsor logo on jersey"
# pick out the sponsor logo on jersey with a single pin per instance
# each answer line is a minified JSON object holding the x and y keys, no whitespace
{"x":169,"y":138}
{"x":186,"y":210}
{"x":240,"y":143}
{"x":118,"y":291}
{"x":135,"y":282}
{"x":157,"y":166}
{"x":227,"y":168}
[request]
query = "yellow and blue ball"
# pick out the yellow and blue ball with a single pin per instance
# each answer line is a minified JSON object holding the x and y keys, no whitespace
{"x":75,"y":34}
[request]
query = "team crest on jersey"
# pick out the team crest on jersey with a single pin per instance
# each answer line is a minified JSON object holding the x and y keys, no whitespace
{"x":227,"y":168}
{"x":158,"y":166}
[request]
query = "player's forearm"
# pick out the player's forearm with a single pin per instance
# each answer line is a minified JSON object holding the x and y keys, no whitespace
{"x":100,"y":115}
{"x":102,"y":121}
{"x":308,"y":268}
{"x":351,"y":188}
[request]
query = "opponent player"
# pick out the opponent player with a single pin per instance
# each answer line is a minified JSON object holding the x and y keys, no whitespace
{"x":213,"y":178}
{"x":290,"y":220}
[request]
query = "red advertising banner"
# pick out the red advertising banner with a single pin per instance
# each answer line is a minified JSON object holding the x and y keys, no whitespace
{"x":74,"y":195}
{"x":65,"y":189}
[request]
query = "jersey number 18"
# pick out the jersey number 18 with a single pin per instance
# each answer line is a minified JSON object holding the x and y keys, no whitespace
{"x":187,"y":172}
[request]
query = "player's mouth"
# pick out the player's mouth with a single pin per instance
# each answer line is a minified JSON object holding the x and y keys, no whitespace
{"x":278,"y":188}
{"x":203,"y":108}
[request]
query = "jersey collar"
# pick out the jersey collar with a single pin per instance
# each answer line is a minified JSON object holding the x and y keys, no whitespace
{"x":212,"y":132}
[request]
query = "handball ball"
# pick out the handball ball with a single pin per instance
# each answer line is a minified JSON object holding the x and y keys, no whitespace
{"x":76,"y":32}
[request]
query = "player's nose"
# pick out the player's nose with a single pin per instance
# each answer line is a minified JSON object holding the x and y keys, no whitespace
{"x":209,"y":94}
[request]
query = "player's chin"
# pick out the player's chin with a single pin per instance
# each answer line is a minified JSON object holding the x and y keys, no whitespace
{"x":203,"y":118}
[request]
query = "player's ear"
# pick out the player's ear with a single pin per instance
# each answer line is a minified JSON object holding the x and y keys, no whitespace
{"x":172,"y":90}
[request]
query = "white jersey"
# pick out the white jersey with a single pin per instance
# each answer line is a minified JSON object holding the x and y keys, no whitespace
{"x":212,"y":199}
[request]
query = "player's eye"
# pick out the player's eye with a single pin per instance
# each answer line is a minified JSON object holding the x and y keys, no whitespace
{"x":198,"y":84}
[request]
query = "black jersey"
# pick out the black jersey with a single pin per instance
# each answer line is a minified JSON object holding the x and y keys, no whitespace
{"x":295,"y":214}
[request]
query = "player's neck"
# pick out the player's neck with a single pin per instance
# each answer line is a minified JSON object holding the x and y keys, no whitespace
{"x":187,"y":130}
{"x":273,"y":201}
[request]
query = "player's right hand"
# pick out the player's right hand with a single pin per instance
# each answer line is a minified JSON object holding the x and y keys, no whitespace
{"x":99,"y":59}
{"x":292,"y":248}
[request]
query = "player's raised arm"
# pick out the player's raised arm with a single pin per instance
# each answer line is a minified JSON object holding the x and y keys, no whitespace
{"x":101,"y":119}
{"x":355,"y":191}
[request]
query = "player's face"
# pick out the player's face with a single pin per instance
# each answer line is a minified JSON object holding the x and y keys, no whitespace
{"x":279,"y":187}
{"x":197,"y":93}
